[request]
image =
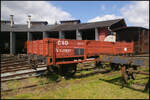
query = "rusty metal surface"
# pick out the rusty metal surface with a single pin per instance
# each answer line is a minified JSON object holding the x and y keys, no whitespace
{"x":124,"y":74}
{"x":133,"y":60}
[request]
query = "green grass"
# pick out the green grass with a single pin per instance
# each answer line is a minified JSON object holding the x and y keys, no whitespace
{"x":15,"y":84}
{"x":146,"y":69}
{"x":141,"y":79}
{"x":91,"y":87}
{"x":99,"y":86}
{"x":22,"y":96}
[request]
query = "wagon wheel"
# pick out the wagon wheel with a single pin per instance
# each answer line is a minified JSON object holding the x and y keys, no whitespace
{"x":114,"y":66}
{"x":69,"y":70}
{"x":74,"y":69}
{"x":53,"y":69}
{"x":49,"y":69}
{"x":64,"y":70}
{"x":146,"y":87}
{"x":117,"y":67}
{"x":98,"y":64}
{"x":131,"y":74}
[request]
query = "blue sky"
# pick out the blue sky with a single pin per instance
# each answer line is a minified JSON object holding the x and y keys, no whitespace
{"x":135,"y":13}
{"x":85,"y":10}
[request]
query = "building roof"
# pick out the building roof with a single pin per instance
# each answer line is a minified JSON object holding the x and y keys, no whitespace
{"x":23,"y":28}
{"x":65,"y":27}
{"x":70,"y":21}
{"x":131,"y":33}
{"x":132,"y":28}
{"x":107,"y":23}
{"x":7,"y":21}
{"x":39,"y":22}
{"x":59,"y":27}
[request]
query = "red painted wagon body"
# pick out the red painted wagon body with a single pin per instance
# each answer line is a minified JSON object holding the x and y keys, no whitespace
{"x":64,"y":51}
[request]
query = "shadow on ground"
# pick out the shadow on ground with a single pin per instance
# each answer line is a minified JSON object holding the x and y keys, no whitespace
{"x":119,"y":81}
{"x":95,"y":71}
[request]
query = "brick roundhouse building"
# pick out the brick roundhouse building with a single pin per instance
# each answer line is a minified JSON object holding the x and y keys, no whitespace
{"x":13,"y":36}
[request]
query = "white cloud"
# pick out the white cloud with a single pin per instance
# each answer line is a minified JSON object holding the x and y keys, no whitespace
{"x":104,"y":18}
{"x":137,"y":13}
{"x":39,"y":11}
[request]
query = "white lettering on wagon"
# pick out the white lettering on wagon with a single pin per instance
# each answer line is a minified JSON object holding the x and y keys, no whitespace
{"x":80,"y":43}
{"x":62,"y":42}
{"x":63,"y":50}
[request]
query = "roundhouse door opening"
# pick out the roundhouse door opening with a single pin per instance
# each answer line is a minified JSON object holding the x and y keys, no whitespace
{"x":21,"y":38}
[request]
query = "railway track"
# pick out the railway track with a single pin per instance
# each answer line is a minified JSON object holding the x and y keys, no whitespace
{"x":94,"y":72}
{"x":22,"y":74}
{"x":16,"y":68}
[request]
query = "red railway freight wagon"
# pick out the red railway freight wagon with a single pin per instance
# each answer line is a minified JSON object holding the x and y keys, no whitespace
{"x":65,"y":51}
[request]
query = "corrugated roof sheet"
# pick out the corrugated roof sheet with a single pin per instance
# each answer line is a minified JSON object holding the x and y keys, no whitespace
{"x":59,"y":27}
{"x":24,"y":28}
